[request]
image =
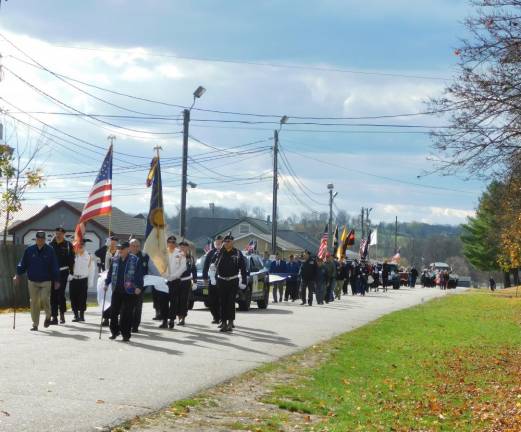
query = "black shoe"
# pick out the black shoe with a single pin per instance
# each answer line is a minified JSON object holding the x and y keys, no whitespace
{"x":54,"y":321}
{"x":47,"y":322}
{"x":171,"y":324}
{"x":34,"y":328}
{"x":182,"y":322}
{"x":232,"y":324}
{"x":303,"y":303}
{"x":275,"y":301}
{"x":164,"y":324}
{"x":76,"y":318}
{"x":126,"y":339}
{"x":229,"y":328}
{"x":113,"y":336}
{"x":62,"y":318}
{"x":82,"y":316}
{"x":105,"y":322}
{"x":215,"y":321}
{"x":223,"y":329}
{"x":135,"y":330}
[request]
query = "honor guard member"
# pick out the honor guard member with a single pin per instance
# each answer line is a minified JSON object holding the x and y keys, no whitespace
{"x":41,"y":265}
{"x":126,"y":276}
{"x":229,"y":263}
{"x":308,"y":272}
{"x":188,"y":277}
{"x":176,"y":267}
{"x":213,"y":295}
{"x":146,"y":265}
{"x":105,"y":254}
{"x":79,"y":281}
{"x":65,"y":254}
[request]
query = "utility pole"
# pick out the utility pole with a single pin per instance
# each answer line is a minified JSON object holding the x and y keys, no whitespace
{"x":184,"y":173}
{"x":396,"y":235}
{"x":275,"y":191}
{"x":362,"y":224}
{"x":330,"y":187}
{"x":283,"y":120}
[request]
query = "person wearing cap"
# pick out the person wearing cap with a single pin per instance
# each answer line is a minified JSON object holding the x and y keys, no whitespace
{"x":188,"y":277}
{"x":65,"y":254}
{"x":228,"y":264}
{"x":330,"y":283}
{"x":41,"y":265}
{"x":176,"y":267}
{"x":126,"y":276}
{"x":148,"y":267}
{"x":79,"y":282}
{"x":213,"y":295}
{"x":307,"y":274}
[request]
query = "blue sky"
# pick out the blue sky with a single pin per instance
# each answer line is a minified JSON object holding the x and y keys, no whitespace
{"x":403,"y":37}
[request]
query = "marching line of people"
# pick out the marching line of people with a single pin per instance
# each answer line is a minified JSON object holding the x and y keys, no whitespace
{"x":50,"y":267}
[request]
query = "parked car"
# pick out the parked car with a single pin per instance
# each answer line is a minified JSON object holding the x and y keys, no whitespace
{"x":257,"y":289}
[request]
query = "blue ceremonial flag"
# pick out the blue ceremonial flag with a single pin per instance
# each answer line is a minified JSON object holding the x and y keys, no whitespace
{"x":155,"y":236}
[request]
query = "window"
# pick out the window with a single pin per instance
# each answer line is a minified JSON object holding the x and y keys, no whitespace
{"x":244,"y":228}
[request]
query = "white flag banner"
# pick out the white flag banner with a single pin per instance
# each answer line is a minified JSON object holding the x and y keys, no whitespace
{"x":101,"y":291}
{"x":374,"y":238}
{"x":158,"y":282}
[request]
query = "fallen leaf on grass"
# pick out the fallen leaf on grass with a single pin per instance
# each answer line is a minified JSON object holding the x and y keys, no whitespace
{"x":99,"y":401}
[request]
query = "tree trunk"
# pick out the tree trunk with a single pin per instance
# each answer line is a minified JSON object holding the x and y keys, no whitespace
{"x":515,"y":274}
{"x":506,"y":279}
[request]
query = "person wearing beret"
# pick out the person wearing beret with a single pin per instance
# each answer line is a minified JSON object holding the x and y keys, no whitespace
{"x":126,"y":276}
{"x":41,"y":265}
{"x":228,"y":264}
{"x":65,"y":254}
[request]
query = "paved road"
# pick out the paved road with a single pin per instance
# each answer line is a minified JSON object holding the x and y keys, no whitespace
{"x":64,"y":379}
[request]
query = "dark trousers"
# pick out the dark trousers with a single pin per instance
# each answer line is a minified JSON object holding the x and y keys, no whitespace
{"x":170,"y":308}
{"x":181,"y":293}
{"x":106,"y":313}
{"x":280,"y":288}
{"x":58,"y":295}
{"x":215,"y":305}
{"x":138,"y":309}
{"x":227,"y":294}
{"x":156,"y":302}
{"x":344,"y":286}
{"x":78,"y":294}
{"x":310,"y":286}
{"x":121,"y":308}
{"x":291,"y":289}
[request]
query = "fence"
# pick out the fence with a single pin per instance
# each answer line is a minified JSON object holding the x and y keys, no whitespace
{"x":9,"y":257}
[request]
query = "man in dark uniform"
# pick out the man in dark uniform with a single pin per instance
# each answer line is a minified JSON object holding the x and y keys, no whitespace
{"x":229,"y":262}
{"x":64,"y":252}
{"x":213,"y":294}
{"x":308,"y":272}
{"x":126,"y":276}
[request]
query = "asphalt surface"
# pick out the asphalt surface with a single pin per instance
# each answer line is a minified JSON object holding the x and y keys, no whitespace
{"x":65,"y":379}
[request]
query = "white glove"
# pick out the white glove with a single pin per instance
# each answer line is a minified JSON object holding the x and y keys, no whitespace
{"x":69,"y":278}
{"x":242,"y":286}
{"x":194,"y":286}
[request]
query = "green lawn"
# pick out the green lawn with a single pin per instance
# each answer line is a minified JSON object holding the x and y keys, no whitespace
{"x":449,"y":365}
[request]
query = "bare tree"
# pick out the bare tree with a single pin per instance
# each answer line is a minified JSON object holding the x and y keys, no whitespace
{"x":483,"y":104}
{"x":19,"y":171}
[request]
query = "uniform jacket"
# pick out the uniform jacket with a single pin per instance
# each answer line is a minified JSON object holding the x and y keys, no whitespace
{"x":41,"y":265}
{"x":330,"y":267}
{"x":230,"y":263}
{"x":132,"y":274}
{"x":191,"y":269}
{"x":210,"y":258}
{"x":64,"y":253}
{"x":308,"y":269}
{"x":293,"y":268}
{"x":281,"y":267}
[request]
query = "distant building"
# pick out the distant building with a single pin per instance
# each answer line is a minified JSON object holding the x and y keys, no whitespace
{"x":245,"y":229}
{"x":67,"y":214}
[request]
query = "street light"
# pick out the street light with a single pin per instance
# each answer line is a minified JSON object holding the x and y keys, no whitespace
{"x":199,"y":91}
{"x":192,"y":184}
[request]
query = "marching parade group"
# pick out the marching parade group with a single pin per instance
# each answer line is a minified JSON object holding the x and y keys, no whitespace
{"x":50,"y":267}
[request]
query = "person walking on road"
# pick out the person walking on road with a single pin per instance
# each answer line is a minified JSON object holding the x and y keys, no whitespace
{"x":308,"y":271}
{"x":331,"y":270}
{"x":188,"y":277}
{"x":126,"y":276}
{"x":321,"y":278}
{"x":41,"y":265}
{"x":79,"y":282}
{"x":176,"y":267}
{"x":147,"y":266}
{"x":277,"y":267}
{"x":228,"y":264}
{"x":65,"y":255}
{"x":293,"y":267}
{"x":213,"y":295}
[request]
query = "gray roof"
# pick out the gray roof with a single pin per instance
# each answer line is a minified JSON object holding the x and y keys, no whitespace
{"x":300,"y":239}
{"x":121,"y":223}
{"x":208,"y":227}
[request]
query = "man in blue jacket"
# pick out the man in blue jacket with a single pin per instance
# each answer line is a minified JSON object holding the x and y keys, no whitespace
{"x":293,"y":268}
{"x":41,"y":265}
{"x":276,"y":267}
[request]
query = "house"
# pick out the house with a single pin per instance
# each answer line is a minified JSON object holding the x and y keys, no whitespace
{"x":245,"y":229}
{"x":66,"y":214}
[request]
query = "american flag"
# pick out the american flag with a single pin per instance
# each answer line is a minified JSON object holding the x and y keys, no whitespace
{"x":322,"y":250}
{"x":252,"y":246}
{"x":363,"y":248}
{"x":208,"y":246}
{"x":396,"y":257}
{"x":99,"y":202}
